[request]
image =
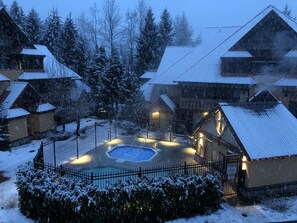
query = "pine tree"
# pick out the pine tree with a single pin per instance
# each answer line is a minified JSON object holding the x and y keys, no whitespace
{"x":288,"y":12}
{"x":183,"y":32}
{"x":33,"y":27}
{"x":69,"y":47}
{"x":134,"y":107}
{"x":165,"y":33}
{"x":147,"y":50}
{"x":81,"y":55}
{"x":96,"y":71}
{"x":17,"y":14}
{"x":2,"y":5}
{"x":51,"y":35}
{"x":111,"y":87}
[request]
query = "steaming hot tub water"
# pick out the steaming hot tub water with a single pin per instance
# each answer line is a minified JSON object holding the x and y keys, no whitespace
{"x":132,"y":153}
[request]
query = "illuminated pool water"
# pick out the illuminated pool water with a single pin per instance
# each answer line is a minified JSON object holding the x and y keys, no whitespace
{"x":132,"y":153}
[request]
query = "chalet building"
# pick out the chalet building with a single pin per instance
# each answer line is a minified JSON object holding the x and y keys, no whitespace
{"x":230,"y":65}
{"x":32,"y":83}
{"x":264,"y":134}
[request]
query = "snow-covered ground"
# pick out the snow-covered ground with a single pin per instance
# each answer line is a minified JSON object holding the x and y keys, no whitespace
{"x":281,"y":209}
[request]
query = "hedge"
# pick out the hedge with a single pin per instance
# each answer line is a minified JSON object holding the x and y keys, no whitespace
{"x":46,"y":197}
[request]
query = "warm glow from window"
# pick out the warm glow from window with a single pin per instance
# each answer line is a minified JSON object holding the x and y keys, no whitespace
{"x":205,"y":114}
{"x":244,"y":163}
{"x":201,"y":139}
{"x":155,"y":114}
{"x":219,"y":123}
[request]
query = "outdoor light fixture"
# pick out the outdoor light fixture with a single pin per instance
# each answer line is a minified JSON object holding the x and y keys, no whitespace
{"x":244,"y":163}
{"x":155,"y":114}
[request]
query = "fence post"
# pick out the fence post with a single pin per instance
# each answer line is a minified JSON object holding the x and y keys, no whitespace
{"x":139,"y":174}
{"x":185,"y":168}
{"x":61,"y":170}
{"x":92,"y":177}
{"x":54,"y":144}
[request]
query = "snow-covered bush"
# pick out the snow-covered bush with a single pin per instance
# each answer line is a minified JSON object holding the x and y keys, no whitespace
{"x":47,"y":197}
{"x":129,"y":128}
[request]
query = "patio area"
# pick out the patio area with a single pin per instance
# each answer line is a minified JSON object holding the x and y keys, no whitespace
{"x":167,"y":153}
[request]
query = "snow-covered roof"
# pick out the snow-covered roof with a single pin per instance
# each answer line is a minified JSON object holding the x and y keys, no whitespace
{"x":168,"y":102}
{"x":14,"y":89}
{"x":16,"y":112}
{"x":34,"y":76}
{"x":203,"y":63}
{"x":291,"y":54}
{"x":263,"y":91}
{"x":211,"y":37}
{"x":242,"y":54}
{"x":53,"y":69}
{"x":79,"y":88}
{"x":286,"y":82}
{"x":45,"y":107}
{"x":3,"y":78}
{"x":149,"y":74}
{"x":171,"y":56}
{"x":265,"y":130}
{"x":31,"y":52}
{"x":147,"y":90}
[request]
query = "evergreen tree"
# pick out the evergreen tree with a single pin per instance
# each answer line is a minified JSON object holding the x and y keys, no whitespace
{"x":2,"y":5}
{"x":96,"y":71}
{"x":147,"y":49}
{"x":165,"y":33}
{"x":17,"y":14}
{"x":33,"y":27}
{"x":111,"y":84}
{"x":81,"y":53}
{"x":51,"y":35}
{"x":182,"y":31}
{"x":288,"y":12}
{"x":69,"y":38}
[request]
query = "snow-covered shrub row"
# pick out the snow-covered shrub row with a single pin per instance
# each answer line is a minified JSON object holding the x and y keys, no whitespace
{"x":46,"y":197}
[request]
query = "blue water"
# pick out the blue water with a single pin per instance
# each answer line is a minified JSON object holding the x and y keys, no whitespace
{"x":132,"y":153}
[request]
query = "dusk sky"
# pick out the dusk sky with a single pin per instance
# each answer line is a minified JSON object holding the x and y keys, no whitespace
{"x":201,"y":13}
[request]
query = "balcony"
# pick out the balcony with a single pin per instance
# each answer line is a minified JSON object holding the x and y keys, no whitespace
{"x":201,"y":104}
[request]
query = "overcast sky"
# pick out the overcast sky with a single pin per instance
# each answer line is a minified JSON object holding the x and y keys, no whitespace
{"x":201,"y":13}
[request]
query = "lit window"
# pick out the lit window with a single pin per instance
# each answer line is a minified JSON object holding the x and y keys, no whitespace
{"x":220,"y":124}
{"x":244,"y":163}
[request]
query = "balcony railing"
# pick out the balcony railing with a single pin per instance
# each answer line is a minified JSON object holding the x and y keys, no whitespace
{"x":201,"y":104}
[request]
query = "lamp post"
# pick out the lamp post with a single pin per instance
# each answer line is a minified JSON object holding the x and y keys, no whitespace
{"x":54,"y":145}
{"x":77,"y":155}
{"x":96,"y":123}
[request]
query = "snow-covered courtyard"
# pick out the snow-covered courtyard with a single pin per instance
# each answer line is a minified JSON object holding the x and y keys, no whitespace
{"x":280,"y":209}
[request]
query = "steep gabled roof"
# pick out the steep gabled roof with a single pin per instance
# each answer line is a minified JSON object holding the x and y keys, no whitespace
{"x":167,"y":70}
{"x":17,"y":29}
{"x":3,"y":78}
{"x":206,"y":67}
{"x":53,"y":68}
{"x":203,"y":63}
{"x":286,"y":82}
{"x":14,"y":90}
{"x":264,"y":95}
{"x":265,"y":130}
{"x":168,"y":102}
